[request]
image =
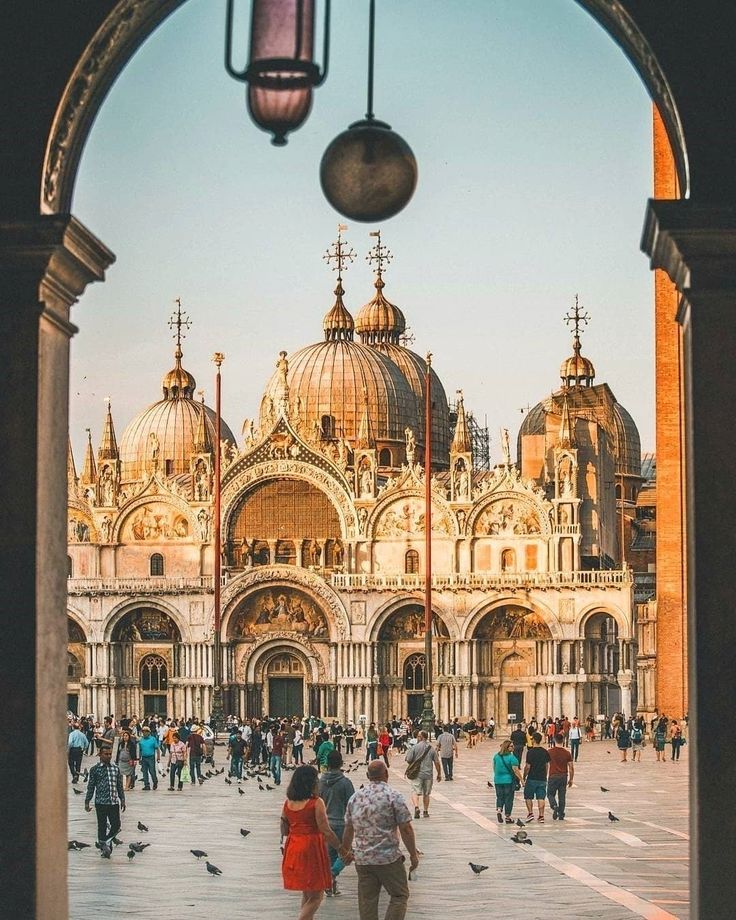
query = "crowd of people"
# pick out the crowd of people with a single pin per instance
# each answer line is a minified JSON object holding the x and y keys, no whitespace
{"x":325,"y":823}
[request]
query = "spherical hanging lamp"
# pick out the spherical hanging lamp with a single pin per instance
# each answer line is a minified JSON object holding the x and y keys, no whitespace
{"x":280,"y":72}
{"x":368,"y":173}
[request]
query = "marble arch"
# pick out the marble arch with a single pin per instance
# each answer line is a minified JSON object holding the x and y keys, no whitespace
{"x":379,"y":617}
{"x":163,"y":497}
{"x":76,"y":617}
{"x":510,"y":600}
{"x":256,"y":656}
{"x":246,"y":480}
{"x":624,"y":626}
{"x":402,"y":494}
{"x":522,"y":497}
{"x":287,"y":576}
{"x":118,"y":612}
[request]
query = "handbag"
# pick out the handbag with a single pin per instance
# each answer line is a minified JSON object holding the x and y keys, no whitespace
{"x":185,"y":773}
{"x":412,"y":771}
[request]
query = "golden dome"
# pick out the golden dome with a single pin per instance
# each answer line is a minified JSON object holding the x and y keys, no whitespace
{"x":380,"y":320}
{"x":165,"y":435}
{"x":577,"y":370}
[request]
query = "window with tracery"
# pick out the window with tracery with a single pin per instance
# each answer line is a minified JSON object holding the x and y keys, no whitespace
{"x":414,"y":669}
{"x":154,"y":673}
{"x":411,"y":562}
{"x":157,"y":564}
{"x":73,"y":668}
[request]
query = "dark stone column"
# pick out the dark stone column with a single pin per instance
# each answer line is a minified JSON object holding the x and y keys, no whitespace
{"x":696,"y":246}
{"x":45,"y":264}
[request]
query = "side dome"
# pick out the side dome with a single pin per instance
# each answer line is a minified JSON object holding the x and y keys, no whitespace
{"x":165,"y":435}
{"x":331,"y":379}
{"x":628,"y":442}
{"x":380,"y":320}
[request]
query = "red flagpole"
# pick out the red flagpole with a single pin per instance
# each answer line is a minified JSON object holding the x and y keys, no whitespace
{"x":428,"y":714}
{"x":217,"y":712}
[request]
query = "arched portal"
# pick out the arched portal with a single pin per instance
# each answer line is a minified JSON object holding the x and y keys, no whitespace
{"x":601,"y":660}
{"x":76,"y":660}
{"x":285,"y":688}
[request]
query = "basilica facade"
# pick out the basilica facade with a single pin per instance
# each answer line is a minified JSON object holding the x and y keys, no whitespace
{"x":323,"y":533}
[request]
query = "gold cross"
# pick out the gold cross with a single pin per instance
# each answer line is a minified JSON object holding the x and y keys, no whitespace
{"x":180,"y":321}
{"x":575,"y":317}
{"x":379,"y":254}
{"x":339,"y":253}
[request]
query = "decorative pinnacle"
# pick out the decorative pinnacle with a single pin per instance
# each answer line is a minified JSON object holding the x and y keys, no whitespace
{"x":428,"y":360}
{"x":577,"y":318}
{"x":379,"y":254}
{"x":218,"y":358}
{"x":108,"y":402}
{"x":182,"y":322}
{"x":339,"y":253}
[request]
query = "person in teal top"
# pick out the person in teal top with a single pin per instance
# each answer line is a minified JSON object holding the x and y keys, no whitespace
{"x":323,"y":752}
{"x":506,"y":773}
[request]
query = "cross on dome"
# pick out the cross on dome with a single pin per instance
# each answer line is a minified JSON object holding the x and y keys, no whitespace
{"x":379,"y":254}
{"x":341,"y":253}
{"x":577,"y":318}
{"x":180,"y":321}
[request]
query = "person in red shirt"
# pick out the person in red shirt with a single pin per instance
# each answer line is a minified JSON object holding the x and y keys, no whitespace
{"x":195,"y":744}
{"x":561,"y":772}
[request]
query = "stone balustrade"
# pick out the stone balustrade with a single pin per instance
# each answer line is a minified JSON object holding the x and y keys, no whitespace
{"x":470,"y":581}
{"x":144,"y":585}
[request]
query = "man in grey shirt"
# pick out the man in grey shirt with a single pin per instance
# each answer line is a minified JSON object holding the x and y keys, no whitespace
{"x":447,"y":746}
{"x":421,"y":785}
{"x":335,"y":789}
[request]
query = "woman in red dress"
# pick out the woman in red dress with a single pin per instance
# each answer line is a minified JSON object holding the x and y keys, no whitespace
{"x":306,"y":866}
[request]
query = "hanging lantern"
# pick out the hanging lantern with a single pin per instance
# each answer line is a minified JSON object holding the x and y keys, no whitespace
{"x":368,"y":173}
{"x":280,"y":72}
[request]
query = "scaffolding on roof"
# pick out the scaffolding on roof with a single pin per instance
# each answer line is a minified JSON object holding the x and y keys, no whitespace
{"x":480,"y":441}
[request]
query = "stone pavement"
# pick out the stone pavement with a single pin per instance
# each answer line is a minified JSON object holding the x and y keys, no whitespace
{"x":588,"y":867}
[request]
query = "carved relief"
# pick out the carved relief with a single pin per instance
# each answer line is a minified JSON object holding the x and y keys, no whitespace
{"x":155,"y":521}
{"x":279,"y":609}
{"x":407,"y":517}
{"x":505,"y":518}
{"x":408,"y":623}
{"x":79,"y":528}
{"x":358,"y":612}
{"x":146,"y":626}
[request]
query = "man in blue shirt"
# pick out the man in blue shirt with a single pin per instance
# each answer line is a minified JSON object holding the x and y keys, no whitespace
{"x":76,"y":746}
{"x":150,"y":756}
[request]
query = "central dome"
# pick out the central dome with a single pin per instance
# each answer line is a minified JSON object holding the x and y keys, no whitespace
{"x":329,"y":383}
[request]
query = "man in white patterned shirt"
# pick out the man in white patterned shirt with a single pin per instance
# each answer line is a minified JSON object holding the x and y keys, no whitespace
{"x":374,"y":819}
{"x":106,"y":785}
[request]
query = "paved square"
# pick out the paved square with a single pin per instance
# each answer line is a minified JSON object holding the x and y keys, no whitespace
{"x":588,"y":867}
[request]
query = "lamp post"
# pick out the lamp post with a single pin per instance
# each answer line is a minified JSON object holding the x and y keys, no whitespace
{"x":217,"y":716}
{"x":428,"y":716}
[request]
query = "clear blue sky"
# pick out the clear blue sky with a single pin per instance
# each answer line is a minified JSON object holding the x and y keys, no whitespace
{"x":533,"y":138}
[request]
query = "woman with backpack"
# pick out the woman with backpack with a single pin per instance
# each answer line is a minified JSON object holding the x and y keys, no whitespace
{"x":623,"y":741}
{"x":660,"y":738}
{"x":637,"y":739}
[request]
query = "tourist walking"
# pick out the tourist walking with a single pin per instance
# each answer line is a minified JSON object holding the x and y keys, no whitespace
{"x":375,"y":818}
{"x":335,"y":790}
{"x":297,"y":748}
{"x":506,"y":776}
{"x":447,"y":747}
{"x":623,"y":740}
{"x":518,"y":741}
{"x":561,"y":773}
{"x":276,"y":754}
{"x":195,"y":746}
{"x":535,"y":778}
{"x":105,"y":785}
{"x":637,"y":739}
{"x":385,"y":741}
{"x":660,"y":738}
{"x":126,"y":757}
{"x":235,"y":753}
{"x":575,"y":736}
{"x":676,"y":739}
{"x":426,"y":756}
{"x":76,"y":746}
{"x":305,"y":831}
{"x":150,"y":755}
{"x":177,"y":758}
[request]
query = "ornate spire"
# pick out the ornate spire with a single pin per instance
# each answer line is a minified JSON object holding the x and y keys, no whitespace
{"x":89,"y":470}
{"x":366,"y":440}
{"x":577,"y":370}
{"x":71,"y":469}
{"x":202,"y":440}
{"x":461,"y":438}
{"x":379,"y":320}
{"x":338,"y":323}
{"x":566,"y":437}
{"x":179,"y":382}
{"x":108,"y":445}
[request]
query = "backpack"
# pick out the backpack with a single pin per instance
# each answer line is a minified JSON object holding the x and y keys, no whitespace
{"x":636,"y":735}
{"x":624,"y":738}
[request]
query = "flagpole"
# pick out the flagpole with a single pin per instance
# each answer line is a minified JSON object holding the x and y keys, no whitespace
{"x":217,"y":717}
{"x":428,"y":716}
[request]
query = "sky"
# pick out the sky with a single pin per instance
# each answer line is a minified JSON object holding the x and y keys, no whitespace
{"x":532,"y":134}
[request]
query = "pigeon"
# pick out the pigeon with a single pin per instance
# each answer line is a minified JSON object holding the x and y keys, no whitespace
{"x":138,"y":847}
{"x":198,"y":853}
{"x":213,"y":870}
{"x":270,"y":788}
{"x":519,"y":823}
{"x":262,"y":788}
{"x":240,"y":792}
{"x":228,"y":781}
{"x":78,"y":791}
{"x":77,"y":845}
{"x":131,"y":855}
{"x":244,"y":832}
{"x":142,"y":827}
{"x":603,"y":789}
{"x":612,"y":817}
{"x":489,"y":784}
{"x":116,"y":841}
{"x":476,"y":868}
{"x":517,"y":838}
{"x":105,"y":851}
